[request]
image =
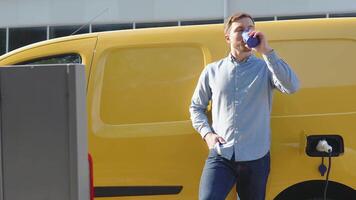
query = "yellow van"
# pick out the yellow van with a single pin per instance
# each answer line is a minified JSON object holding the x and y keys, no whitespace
{"x":139,"y":87}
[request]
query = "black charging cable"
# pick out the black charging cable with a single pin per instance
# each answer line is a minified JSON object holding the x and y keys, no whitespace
{"x":327,"y":176}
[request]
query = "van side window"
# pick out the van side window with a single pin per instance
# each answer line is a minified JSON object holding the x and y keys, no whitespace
{"x":149,"y":84}
{"x":57,"y":59}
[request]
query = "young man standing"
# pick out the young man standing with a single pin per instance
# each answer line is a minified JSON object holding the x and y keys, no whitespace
{"x":240,"y":88}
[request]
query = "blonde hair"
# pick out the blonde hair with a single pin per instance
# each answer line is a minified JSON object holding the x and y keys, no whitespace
{"x":234,"y":18}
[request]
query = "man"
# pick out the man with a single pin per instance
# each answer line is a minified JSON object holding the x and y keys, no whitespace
{"x":240,"y":88}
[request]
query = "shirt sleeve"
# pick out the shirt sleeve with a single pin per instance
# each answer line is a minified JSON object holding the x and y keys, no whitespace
{"x":199,"y":103}
{"x":282,"y":76}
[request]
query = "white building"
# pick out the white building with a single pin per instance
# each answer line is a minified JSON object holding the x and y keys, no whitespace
{"x":26,"y":21}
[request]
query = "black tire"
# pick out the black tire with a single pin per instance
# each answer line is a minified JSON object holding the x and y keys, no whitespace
{"x":314,"y":190}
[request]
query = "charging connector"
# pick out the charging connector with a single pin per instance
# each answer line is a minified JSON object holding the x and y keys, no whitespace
{"x":323,"y":146}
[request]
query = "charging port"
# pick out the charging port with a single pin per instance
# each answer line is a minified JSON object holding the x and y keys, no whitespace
{"x":316,"y":144}
{"x":324,"y":146}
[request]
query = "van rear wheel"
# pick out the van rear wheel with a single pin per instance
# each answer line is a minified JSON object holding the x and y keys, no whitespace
{"x":314,"y":190}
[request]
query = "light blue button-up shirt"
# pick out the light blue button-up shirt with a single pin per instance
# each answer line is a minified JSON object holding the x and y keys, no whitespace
{"x":241,"y":99}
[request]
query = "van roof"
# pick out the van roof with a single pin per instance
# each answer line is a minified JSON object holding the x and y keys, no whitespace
{"x":290,"y":23}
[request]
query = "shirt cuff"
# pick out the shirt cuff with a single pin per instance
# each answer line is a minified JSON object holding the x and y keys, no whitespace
{"x":204,"y":131}
{"x":271,"y":57}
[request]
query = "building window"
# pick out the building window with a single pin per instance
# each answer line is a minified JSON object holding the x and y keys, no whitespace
{"x":110,"y":27}
{"x":57,"y":59}
{"x":61,"y":31}
{"x":19,"y":37}
{"x":197,"y":22}
{"x":2,"y":41}
{"x":343,"y":15}
{"x":300,"y":17}
{"x":155,"y":24}
{"x":259,"y":19}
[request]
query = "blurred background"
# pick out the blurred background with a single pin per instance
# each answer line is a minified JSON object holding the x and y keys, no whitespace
{"x":24,"y":22}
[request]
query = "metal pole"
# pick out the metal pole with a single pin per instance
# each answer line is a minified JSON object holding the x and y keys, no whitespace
{"x":7,"y":39}
{"x":226,"y":9}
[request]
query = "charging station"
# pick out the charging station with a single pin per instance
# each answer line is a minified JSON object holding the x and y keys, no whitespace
{"x":43,"y":137}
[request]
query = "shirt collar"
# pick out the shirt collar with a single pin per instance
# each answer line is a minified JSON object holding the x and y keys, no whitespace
{"x":235,"y":61}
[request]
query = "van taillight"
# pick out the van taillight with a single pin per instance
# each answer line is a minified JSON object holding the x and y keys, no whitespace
{"x":91,"y":177}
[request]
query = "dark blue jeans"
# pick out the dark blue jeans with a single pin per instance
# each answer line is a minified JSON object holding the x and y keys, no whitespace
{"x":220,"y":175}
